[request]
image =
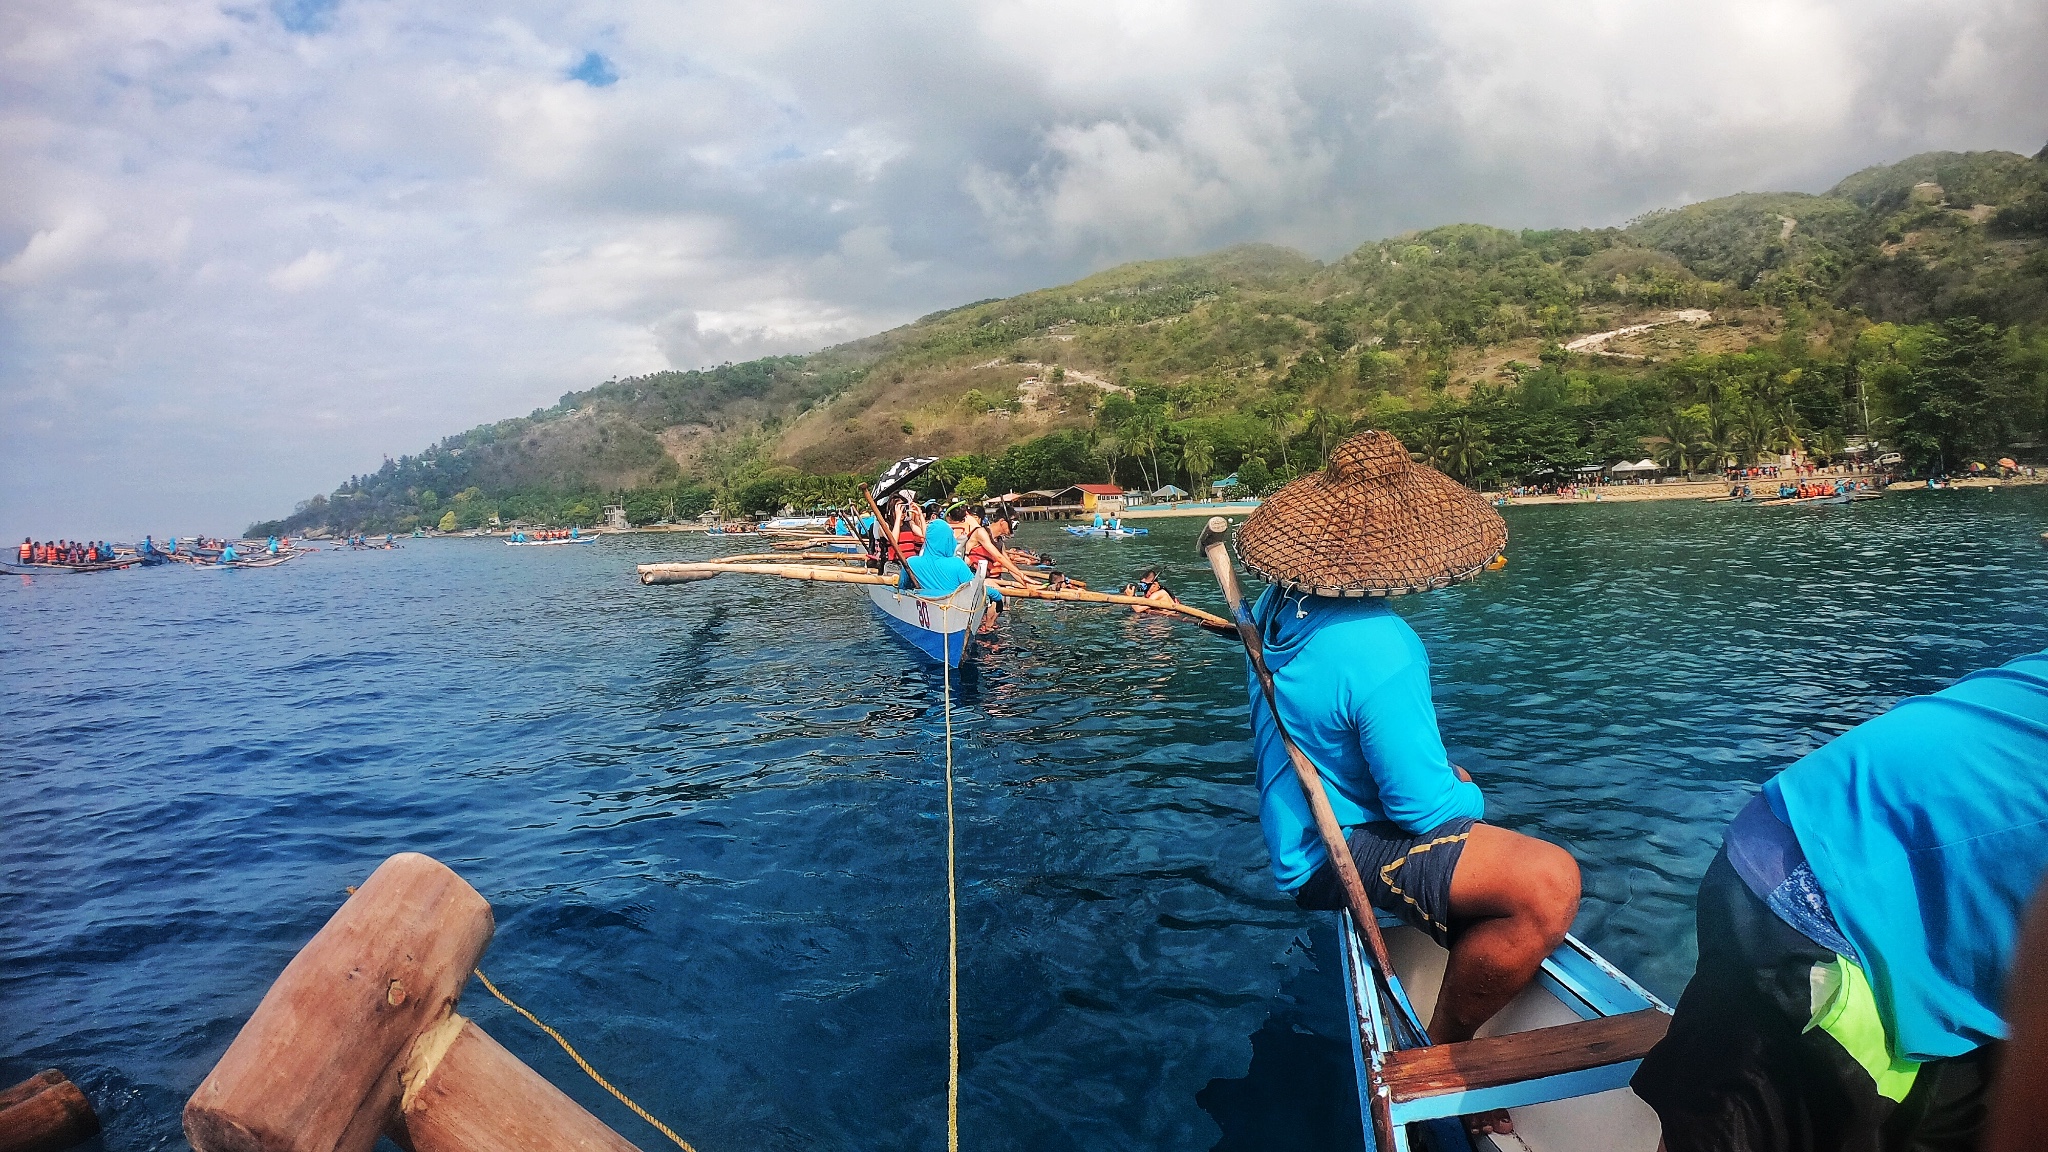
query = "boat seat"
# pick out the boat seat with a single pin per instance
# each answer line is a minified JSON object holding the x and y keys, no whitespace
{"x":1412,"y":1075}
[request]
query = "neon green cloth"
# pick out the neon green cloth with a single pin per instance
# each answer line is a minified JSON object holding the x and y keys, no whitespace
{"x":1845,"y":1007}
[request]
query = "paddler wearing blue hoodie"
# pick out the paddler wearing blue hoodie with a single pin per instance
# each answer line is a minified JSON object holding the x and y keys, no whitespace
{"x":938,"y":570}
{"x":1351,"y":680}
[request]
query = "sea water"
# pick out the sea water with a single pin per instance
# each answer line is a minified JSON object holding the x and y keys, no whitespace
{"x":710,"y":817}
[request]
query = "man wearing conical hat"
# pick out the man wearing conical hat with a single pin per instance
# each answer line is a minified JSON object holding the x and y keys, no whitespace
{"x":1352,"y":683}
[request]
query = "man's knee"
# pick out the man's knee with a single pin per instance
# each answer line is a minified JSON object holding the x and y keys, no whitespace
{"x":1551,"y":890}
{"x":1507,"y":874}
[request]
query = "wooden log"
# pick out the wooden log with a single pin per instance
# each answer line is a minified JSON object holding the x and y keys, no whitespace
{"x":474,"y":1096}
{"x":681,"y":573}
{"x":854,"y":558}
{"x":316,"y":1068}
{"x":30,"y":1087}
{"x":1083,"y":596}
{"x":52,"y":1117}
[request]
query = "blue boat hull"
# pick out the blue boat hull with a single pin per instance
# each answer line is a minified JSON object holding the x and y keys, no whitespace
{"x":941,"y":627}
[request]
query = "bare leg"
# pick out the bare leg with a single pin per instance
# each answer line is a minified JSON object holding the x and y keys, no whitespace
{"x":1513,"y":898}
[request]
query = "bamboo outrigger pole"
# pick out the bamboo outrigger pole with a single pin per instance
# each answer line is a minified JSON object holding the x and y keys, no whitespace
{"x":1214,"y":545}
{"x":1207,"y":620}
{"x":684,"y":572}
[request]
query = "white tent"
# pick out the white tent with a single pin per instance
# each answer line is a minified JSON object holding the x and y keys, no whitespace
{"x":1170,"y":493}
{"x":1638,"y":466}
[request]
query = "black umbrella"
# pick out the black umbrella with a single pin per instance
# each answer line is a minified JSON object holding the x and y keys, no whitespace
{"x":901,"y":473}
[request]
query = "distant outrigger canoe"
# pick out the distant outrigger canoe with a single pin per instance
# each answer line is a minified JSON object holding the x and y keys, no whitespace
{"x":12,"y":568}
{"x":1106,"y":533}
{"x":545,"y":543}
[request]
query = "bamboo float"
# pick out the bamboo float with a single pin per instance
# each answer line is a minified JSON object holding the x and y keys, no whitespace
{"x":684,"y":572}
{"x":45,"y":1113}
{"x":1081,"y":596}
{"x":359,"y":1038}
{"x":860,"y":558}
{"x":690,"y":571}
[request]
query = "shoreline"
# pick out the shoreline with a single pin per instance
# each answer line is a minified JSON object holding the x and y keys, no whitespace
{"x":1717,"y":489}
{"x":1601,"y":494}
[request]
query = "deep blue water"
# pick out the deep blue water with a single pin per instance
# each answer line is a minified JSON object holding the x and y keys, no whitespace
{"x":709,"y":817}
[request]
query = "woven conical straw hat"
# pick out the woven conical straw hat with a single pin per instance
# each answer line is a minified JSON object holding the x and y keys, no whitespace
{"x":1374,"y":523}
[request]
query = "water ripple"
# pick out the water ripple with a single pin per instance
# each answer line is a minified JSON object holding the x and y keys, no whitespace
{"x":710,"y":818}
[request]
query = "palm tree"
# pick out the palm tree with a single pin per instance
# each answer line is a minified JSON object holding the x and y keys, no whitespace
{"x":1282,"y":420}
{"x":1827,"y":445}
{"x":1464,"y":447}
{"x":1200,"y":459}
{"x":1429,"y":443}
{"x":1140,"y":441}
{"x":1718,"y":437}
{"x":1326,"y":425}
{"x":1758,"y":432}
{"x":1790,"y":428}
{"x":1109,"y":449}
{"x":1681,"y":436}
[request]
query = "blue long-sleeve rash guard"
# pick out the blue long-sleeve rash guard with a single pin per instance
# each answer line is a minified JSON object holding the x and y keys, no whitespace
{"x":1927,"y":827}
{"x":1353,"y":684}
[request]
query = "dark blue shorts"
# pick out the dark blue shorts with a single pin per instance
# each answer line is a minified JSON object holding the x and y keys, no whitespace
{"x":1407,"y":875}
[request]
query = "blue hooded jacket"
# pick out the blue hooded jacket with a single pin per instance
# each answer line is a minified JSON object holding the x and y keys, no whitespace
{"x":1927,"y":828}
{"x":1353,"y":685}
{"x":937,"y":569}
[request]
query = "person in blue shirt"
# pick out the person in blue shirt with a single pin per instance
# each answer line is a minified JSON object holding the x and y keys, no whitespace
{"x":1856,"y":932}
{"x":1353,"y":689}
{"x":938,"y":569}
{"x":227,"y":554}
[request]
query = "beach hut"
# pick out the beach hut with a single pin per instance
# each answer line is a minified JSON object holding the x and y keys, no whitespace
{"x":1094,"y":497}
{"x":1219,"y":487}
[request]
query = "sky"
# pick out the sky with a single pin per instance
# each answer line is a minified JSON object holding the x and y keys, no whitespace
{"x":250,"y":248}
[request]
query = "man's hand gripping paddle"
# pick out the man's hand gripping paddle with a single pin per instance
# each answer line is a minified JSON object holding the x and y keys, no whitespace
{"x":1214,"y":545}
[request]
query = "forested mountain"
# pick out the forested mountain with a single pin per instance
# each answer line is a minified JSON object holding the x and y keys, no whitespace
{"x":1908,"y":304}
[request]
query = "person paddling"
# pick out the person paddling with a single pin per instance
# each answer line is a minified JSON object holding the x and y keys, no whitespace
{"x":1352,"y":684}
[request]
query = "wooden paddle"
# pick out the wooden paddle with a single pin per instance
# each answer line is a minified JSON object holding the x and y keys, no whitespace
{"x":1214,"y":546}
{"x":888,"y":534}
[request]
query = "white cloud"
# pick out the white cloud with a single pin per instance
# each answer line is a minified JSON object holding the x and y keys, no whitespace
{"x":308,"y":271}
{"x":291,"y":250}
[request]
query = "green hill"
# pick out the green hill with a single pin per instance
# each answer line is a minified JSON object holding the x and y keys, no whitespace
{"x":1829,"y":318}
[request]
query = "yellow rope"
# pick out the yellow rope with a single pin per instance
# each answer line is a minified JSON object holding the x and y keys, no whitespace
{"x":952,"y":910}
{"x":584,"y":1064}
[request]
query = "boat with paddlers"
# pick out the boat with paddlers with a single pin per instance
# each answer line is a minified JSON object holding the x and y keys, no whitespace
{"x":942,"y":627}
{"x":1105,"y":533}
{"x":547,"y":543}
{"x":15,"y":569}
{"x":927,"y":595}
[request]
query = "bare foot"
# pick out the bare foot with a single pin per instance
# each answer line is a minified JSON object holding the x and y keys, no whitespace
{"x":1494,"y":1123}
